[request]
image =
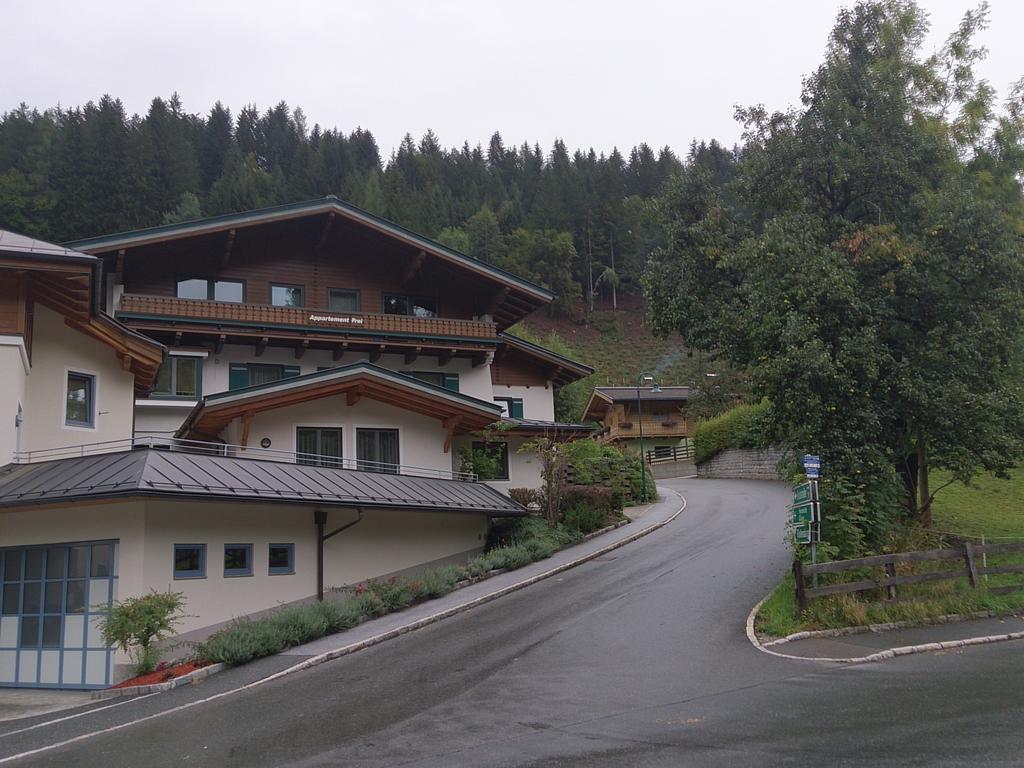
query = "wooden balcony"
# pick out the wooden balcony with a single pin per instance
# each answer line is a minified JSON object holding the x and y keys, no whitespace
{"x":266,"y":316}
{"x":652,"y":428}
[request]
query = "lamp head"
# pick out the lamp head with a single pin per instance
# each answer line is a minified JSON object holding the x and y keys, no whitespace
{"x":648,"y":379}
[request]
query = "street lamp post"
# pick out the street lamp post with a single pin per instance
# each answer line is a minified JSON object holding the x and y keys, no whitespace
{"x":642,"y":379}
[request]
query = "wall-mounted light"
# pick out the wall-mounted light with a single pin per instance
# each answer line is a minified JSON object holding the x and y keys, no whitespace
{"x":265,"y":442}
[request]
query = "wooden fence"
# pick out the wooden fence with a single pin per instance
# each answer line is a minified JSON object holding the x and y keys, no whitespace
{"x":968,"y":553}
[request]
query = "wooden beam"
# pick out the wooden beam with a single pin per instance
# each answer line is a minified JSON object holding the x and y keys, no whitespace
{"x":496,"y":301}
{"x":353,"y":396}
{"x":177,"y":338}
{"x":325,"y":232}
{"x":261,"y":346}
{"x":412,"y":354}
{"x":339,"y":351}
{"x":228,"y":245}
{"x":119,"y":263}
{"x":413,"y":269}
{"x":479,"y":359}
{"x":450,"y":425}
{"x":376,"y":353}
{"x":300,"y":350}
{"x":126,"y":362}
{"x":445,"y":357}
{"x":246,"y":424}
{"x":218,"y":345}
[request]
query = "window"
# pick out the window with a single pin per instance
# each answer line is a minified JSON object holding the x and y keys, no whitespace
{"x":377,"y":450}
{"x":189,"y":561}
{"x":218,"y":290}
{"x":510,"y":406}
{"x":250,"y":374}
{"x":287,"y":295}
{"x":179,"y":377}
{"x":343,"y":300}
{"x":79,"y":409}
{"x":281,"y":558}
{"x":238,"y":559}
{"x":446,"y":380}
{"x":318,"y":445}
{"x":495,"y":466}
{"x":417,"y":306}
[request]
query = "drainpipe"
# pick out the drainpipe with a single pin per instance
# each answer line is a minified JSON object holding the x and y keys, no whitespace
{"x":320,"y":518}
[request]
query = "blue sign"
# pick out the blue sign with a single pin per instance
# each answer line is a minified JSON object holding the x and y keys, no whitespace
{"x":812,"y":466}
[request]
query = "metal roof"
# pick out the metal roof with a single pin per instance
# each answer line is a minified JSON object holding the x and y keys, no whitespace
{"x":154,"y":472}
{"x":539,"y":425}
{"x":621,"y":394}
{"x":13,"y":243}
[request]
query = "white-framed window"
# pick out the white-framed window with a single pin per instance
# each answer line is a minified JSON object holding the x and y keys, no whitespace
{"x":179,"y":378}
{"x":317,"y":446}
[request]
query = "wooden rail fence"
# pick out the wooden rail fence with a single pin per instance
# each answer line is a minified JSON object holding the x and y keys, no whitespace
{"x":969,"y":553}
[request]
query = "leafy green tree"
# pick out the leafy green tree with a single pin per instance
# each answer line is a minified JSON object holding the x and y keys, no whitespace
{"x":860,"y":269}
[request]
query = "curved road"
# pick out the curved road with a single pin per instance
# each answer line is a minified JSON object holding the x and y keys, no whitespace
{"x":636,"y":659}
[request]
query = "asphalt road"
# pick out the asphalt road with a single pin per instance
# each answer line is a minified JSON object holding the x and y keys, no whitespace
{"x":636,"y":659}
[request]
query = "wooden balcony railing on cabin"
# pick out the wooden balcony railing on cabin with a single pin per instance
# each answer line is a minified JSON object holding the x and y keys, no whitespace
{"x":658,"y":426}
{"x":265,"y":315}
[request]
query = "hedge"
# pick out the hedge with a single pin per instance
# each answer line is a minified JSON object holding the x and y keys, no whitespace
{"x":741,"y":427}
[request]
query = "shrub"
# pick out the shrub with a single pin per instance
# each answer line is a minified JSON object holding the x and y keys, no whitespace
{"x":584,"y":517}
{"x":394,"y":593}
{"x":741,"y":427}
{"x":531,"y":498}
{"x":242,"y":641}
{"x":136,"y":623}
{"x":301,"y":623}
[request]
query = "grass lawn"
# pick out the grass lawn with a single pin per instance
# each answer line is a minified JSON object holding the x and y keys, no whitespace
{"x":989,"y":506}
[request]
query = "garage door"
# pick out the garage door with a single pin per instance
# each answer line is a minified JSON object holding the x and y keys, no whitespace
{"x":51,"y":603}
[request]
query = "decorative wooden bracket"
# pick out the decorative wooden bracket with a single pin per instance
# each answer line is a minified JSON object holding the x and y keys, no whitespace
{"x":325,"y":232}
{"x":353,"y":396}
{"x":246,"y":424}
{"x":227,"y":248}
{"x":376,"y":353}
{"x":412,"y":354}
{"x":445,"y":357}
{"x":450,"y":425}
{"x":339,"y":351}
{"x":218,"y":346}
{"x":496,"y":301}
{"x":261,"y":346}
{"x":126,"y":362}
{"x":177,"y":338}
{"x":301,"y":348}
{"x":413,"y":269}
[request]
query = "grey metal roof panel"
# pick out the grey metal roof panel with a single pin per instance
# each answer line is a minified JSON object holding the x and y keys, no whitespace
{"x":12,"y":242}
{"x":620,"y":394}
{"x":154,"y":472}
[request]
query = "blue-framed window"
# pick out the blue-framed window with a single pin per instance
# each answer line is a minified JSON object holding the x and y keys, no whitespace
{"x":238,"y":559}
{"x":437,"y":378}
{"x":190,"y":561}
{"x":80,"y":400}
{"x":179,"y":378}
{"x":281,"y":558}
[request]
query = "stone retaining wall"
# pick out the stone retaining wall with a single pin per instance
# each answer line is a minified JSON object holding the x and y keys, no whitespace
{"x":745,"y":463}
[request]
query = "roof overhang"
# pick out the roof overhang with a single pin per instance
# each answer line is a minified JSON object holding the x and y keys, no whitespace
{"x":459,"y":413}
{"x":557,"y":431}
{"x":597,"y":406}
{"x":514,"y":297}
{"x":69,"y":283}
{"x":563,"y":370}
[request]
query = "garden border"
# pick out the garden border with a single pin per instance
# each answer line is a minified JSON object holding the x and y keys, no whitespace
{"x":889,"y":653}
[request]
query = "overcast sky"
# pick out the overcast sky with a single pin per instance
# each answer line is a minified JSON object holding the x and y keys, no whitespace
{"x":594,"y":73}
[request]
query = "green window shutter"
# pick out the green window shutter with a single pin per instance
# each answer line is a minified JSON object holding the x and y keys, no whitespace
{"x":291,"y":371}
{"x":515,"y":408}
{"x":238,"y":376}
{"x":451,"y":381}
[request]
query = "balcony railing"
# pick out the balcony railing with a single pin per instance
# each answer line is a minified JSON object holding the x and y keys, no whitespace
{"x":308,"y":319}
{"x":653,"y":427}
{"x":234,"y":451}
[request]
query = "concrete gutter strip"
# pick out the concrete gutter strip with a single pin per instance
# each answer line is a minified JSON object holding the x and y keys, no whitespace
{"x":199,"y":674}
{"x":884,"y":627}
{"x":891,"y":653}
{"x":137,"y":690}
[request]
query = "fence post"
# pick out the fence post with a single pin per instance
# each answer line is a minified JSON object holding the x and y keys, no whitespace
{"x":890,"y":571}
{"x":972,"y":569}
{"x":798,"y":577}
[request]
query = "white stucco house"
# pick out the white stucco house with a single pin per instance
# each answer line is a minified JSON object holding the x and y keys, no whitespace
{"x":249,"y":409}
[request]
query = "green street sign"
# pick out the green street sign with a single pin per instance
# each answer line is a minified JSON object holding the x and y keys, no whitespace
{"x":802,"y":534}
{"x":804,"y":493}
{"x":804,"y":513}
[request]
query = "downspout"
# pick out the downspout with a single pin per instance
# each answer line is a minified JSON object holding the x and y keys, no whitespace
{"x":320,"y":518}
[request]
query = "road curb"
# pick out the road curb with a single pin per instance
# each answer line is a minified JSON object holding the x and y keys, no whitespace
{"x":455,"y":610}
{"x":138,"y":690}
{"x":889,"y":653}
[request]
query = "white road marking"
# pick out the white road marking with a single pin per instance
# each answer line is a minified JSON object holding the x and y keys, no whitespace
{"x":80,"y":714}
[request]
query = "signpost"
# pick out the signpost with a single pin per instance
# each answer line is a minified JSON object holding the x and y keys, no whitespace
{"x":805,"y":511}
